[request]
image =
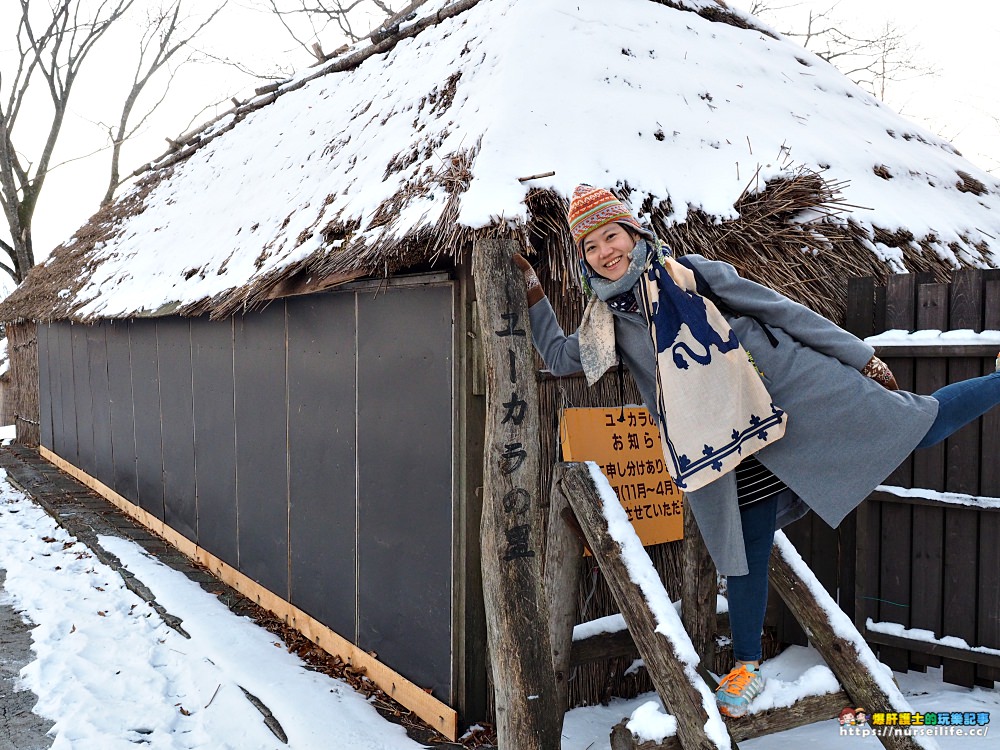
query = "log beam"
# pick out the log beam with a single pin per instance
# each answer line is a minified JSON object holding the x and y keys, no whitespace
{"x":851,"y":660}
{"x":699,"y":591}
{"x":670,"y":662}
{"x":563,"y":551}
{"x":805,"y":711}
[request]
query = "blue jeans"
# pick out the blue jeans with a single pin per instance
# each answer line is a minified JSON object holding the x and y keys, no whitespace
{"x":960,"y":403}
{"x":748,"y":594}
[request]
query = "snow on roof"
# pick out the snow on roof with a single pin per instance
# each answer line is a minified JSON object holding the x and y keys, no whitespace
{"x":367,"y":170}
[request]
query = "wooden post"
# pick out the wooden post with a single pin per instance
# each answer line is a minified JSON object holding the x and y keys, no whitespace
{"x":563,"y":551}
{"x":699,"y":591}
{"x":850,"y":661}
{"x":517,"y":617}
{"x":682,"y":691}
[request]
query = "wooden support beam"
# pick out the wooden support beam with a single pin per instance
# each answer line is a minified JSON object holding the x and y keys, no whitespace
{"x":934,"y":649}
{"x":851,"y":660}
{"x":517,"y":613}
{"x":620,"y":643}
{"x":670,"y":662}
{"x":563,"y":551}
{"x":699,"y":591}
{"x":805,"y":711}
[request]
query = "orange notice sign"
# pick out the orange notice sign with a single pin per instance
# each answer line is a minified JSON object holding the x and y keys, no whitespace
{"x":630,"y":456}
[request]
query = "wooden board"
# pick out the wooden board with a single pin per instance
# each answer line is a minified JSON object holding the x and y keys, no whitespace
{"x":215,"y":436}
{"x":173,"y":346}
{"x":438,"y":715}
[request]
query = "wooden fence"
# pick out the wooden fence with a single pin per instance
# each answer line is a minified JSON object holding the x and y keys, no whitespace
{"x":913,"y":559}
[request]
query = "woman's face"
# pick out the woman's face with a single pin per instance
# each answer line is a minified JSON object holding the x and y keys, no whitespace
{"x":607,"y":250}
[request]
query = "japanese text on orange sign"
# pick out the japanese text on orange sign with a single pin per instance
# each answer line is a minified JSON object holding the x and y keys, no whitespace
{"x":630,"y":455}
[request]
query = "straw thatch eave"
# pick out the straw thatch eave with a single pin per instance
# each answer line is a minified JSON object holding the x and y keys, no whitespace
{"x":767,"y":241}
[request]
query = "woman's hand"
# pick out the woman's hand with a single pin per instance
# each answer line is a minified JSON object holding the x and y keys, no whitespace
{"x":878,"y":371}
{"x":535,"y":292}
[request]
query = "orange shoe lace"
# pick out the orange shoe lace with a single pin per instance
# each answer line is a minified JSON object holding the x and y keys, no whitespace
{"x":737,"y":680}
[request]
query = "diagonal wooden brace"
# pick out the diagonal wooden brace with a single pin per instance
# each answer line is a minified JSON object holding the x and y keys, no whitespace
{"x":667,"y":652}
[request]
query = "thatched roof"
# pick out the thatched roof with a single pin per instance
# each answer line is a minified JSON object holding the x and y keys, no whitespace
{"x":725,"y":136}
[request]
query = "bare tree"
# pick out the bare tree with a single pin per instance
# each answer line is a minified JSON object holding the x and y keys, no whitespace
{"x":308,"y":21}
{"x":873,"y":59}
{"x":164,"y":36}
{"x":52,"y":43}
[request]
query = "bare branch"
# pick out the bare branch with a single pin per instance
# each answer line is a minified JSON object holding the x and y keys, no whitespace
{"x":161,"y":41}
{"x":872,"y":59}
{"x":306,"y":21}
{"x":53,"y":41}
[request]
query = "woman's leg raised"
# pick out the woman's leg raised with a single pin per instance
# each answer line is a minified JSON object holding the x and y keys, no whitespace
{"x":960,"y":403}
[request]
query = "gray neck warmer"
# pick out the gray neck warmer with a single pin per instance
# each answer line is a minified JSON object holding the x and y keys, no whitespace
{"x":606,"y":289}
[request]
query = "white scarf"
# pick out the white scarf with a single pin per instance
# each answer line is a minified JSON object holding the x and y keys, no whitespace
{"x":714,"y":409}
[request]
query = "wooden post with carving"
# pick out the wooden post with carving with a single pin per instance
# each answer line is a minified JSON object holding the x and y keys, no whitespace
{"x":527,"y":712}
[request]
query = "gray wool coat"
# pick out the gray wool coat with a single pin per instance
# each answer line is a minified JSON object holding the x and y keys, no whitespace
{"x":845,"y":432}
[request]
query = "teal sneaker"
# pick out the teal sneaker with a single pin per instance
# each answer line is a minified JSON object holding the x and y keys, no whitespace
{"x":738,"y":689}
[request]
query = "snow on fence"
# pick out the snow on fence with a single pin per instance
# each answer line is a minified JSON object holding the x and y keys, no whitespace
{"x":918,"y":558}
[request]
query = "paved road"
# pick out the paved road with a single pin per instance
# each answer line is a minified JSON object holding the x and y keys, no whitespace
{"x":19,"y":728}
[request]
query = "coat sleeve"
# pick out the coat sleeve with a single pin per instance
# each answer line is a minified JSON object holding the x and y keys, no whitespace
{"x":773,"y":309}
{"x":561,"y":353}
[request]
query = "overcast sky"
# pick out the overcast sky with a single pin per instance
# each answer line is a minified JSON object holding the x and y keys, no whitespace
{"x":956,"y":38}
{"x":958,"y":102}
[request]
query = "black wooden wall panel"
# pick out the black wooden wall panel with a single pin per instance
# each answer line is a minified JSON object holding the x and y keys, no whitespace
{"x":66,"y":426}
{"x":321,"y":450}
{"x":261,"y":469}
{"x":83,"y":399}
{"x":146,"y":401}
{"x":200,"y":422}
{"x":97,"y":363}
{"x":44,"y":386}
{"x":122,"y":410}
{"x":405,"y":480}
{"x":56,"y":367}
{"x":173,"y":344}
{"x":215,"y":437}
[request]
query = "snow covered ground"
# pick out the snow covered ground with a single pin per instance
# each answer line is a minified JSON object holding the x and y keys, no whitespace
{"x":110,"y":674}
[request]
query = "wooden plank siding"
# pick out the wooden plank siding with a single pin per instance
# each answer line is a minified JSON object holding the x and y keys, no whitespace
{"x":928,"y":472}
{"x":922,"y":563}
{"x":988,"y":625}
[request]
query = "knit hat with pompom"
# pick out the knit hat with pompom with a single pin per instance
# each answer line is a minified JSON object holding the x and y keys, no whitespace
{"x":591,"y":208}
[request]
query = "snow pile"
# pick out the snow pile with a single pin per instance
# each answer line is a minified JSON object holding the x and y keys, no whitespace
{"x":934,"y":337}
{"x":927,"y":636}
{"x":112,"y":675}
{"x":954,"y":498}
{"x":672,"y":104}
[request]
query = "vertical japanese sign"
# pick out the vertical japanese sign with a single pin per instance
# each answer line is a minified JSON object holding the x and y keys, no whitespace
{"x":517,"y":614}
{"x":630,"y":454}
